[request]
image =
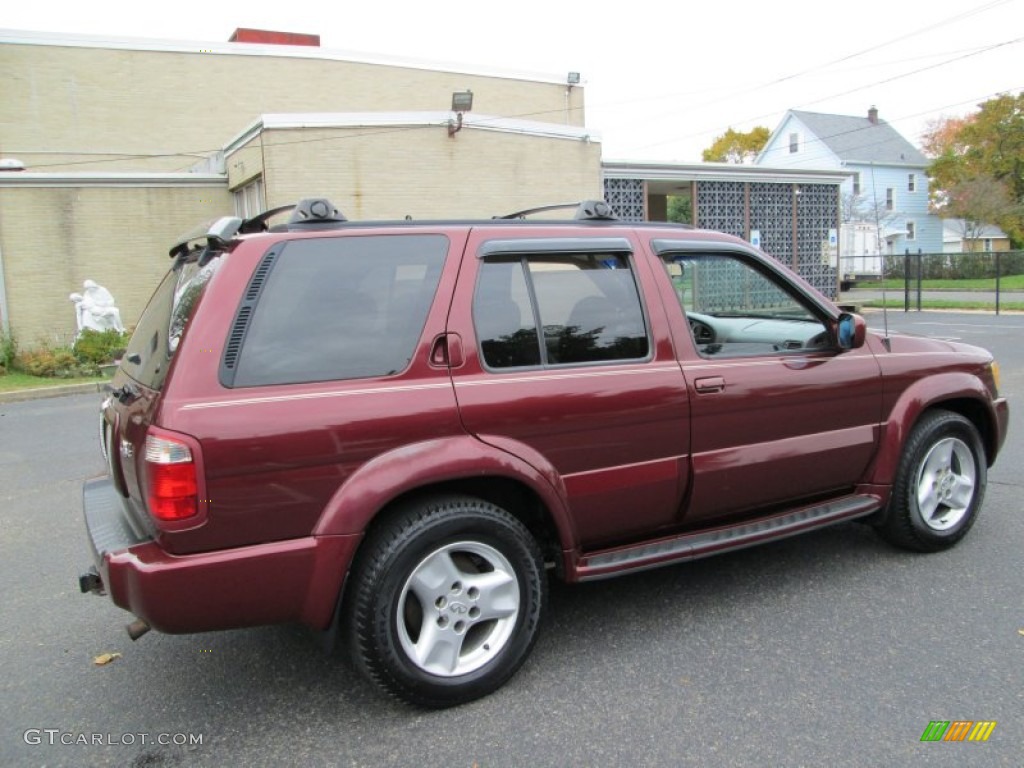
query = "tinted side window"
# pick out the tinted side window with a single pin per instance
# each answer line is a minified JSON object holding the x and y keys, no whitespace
{"x":340,"y":308}
{"x":587,"y":306}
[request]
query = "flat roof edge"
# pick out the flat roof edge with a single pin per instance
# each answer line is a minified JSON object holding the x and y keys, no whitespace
{"x":622,"y":169}
{"x":438,"y":119}
{"x":71,"y":40}
{"x":112,"y":179}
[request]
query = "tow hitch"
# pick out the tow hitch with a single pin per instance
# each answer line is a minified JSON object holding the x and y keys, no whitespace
{"x":91,"y":581}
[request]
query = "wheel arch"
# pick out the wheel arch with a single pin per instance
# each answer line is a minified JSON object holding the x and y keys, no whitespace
{"x":960,"y":393}
{"x":459,"y":465}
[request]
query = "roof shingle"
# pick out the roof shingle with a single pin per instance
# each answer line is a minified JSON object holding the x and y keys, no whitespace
{"x":857,"y":139}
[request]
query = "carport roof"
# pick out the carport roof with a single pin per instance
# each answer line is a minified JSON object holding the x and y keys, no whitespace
{"x":670,"y":178}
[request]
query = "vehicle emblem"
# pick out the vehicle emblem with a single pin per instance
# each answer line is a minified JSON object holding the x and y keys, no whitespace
{"x":458,"y":608}
{"x":127,"y":451}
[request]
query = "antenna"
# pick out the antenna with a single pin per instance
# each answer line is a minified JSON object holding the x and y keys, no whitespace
{"x":878,"y":242}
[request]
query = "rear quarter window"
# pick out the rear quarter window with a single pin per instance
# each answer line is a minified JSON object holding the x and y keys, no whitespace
{"x":337,"y":308}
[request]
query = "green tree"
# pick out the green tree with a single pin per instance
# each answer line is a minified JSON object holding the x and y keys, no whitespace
{"x":982,"y":149}
{"x":680,"y":209}
{"x":737,"y":146}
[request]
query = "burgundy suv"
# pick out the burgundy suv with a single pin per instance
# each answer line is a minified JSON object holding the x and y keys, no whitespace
{"x":394,"y":430}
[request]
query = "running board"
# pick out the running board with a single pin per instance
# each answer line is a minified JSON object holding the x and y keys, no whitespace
{"x":694,"y":545}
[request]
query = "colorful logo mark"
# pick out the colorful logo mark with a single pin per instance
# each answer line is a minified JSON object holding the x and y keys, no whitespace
{"x":958,"y":730}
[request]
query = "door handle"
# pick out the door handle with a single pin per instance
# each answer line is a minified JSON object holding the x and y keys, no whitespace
{"x":709,"y":384}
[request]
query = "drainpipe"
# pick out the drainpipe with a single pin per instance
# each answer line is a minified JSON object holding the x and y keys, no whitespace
{"x":5,"y":321}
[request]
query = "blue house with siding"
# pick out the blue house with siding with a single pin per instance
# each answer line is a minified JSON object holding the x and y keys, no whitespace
{"x":884,"y":200}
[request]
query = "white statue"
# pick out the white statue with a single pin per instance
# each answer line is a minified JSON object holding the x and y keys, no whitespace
{"x":95,"y":309}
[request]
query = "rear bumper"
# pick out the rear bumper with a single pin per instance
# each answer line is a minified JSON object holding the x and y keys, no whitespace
{"x":294,"y":580}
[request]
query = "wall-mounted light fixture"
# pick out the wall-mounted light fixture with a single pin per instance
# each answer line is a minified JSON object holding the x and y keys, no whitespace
{"x":571,"y":79}
{"x":462,"y":101}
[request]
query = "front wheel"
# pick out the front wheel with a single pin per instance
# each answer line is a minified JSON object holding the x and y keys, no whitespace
{"x":939,"y":486}
{"x":445,"y":600}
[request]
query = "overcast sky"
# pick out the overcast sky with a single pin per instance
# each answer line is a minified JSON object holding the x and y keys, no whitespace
{"x":662,"y":78}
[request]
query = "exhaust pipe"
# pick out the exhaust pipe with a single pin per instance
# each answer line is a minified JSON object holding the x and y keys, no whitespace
{"x":137,"y":629}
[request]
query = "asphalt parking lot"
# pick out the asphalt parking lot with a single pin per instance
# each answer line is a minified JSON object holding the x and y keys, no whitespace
{"x":827,"y":649}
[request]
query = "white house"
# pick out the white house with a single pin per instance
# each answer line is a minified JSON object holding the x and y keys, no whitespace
{"x":885,"y":197}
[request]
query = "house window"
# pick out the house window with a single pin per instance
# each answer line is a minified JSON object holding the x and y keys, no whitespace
{"x":794,"y":143}
{"x":856,"y":184}
{"x":890,"y":198}
{"x":249,"y":199}
{"x":988,"y":244}
{"x":912,"y":182}
{"x":911,"y":231}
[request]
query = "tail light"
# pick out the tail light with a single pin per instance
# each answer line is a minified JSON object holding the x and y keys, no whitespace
{"x":172,"y":486}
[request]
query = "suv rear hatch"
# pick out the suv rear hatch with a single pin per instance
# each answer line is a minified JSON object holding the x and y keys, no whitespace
{"x":130,"y":444}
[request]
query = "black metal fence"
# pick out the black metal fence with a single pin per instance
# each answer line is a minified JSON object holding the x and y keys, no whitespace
{"x":912,"y":269}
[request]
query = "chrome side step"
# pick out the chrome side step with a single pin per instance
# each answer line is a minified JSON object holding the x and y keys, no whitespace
{"x":694,"y":545}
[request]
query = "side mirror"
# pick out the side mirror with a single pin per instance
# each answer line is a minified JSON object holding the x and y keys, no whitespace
{"x":851,"y":330}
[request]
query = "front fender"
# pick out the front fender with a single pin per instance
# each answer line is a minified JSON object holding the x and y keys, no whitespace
{"x":915,"y":400}
{"x":390,"y":475}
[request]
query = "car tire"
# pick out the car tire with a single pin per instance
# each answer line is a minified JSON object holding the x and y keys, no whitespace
{"x":940,"y":484}
{"x":445,"y":600}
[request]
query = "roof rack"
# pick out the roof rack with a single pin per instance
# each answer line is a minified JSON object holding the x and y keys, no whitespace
{"x":308,"y":212}
{"x":321,"y":213}
{"x":587,"y":210}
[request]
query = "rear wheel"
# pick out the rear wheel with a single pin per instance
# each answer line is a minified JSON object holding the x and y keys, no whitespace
{"x":445,"y":600}
{"x":940,"y":484}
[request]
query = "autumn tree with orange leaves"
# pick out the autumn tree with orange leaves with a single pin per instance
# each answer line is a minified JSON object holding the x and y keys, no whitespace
{"x":977,"y":167}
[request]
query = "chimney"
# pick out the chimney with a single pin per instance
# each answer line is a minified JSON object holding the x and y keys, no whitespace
{"x":873,"y":115}
{"x":270,"y":37}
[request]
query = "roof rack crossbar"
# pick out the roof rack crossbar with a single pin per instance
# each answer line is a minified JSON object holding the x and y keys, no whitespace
{"x":258,"y":223}
{"x":586,"y":210}
{"x":539,"y":209}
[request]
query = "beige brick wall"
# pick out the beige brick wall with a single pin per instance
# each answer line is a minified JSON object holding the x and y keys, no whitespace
{"x":99,"y":110}
{"x":424,"y":173}
{"x":54,"y":238}
{"x":71,"y":104}
{"x":245,"y":163}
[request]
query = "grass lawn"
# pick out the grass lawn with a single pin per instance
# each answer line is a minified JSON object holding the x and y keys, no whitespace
{"x":13,"y":381}
{"x":1006,"y":283}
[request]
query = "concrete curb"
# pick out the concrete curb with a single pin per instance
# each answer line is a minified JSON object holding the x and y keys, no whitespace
{"x":37,"y":393}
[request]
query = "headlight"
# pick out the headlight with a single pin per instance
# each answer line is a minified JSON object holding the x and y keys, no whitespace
{"x":994,"y":367}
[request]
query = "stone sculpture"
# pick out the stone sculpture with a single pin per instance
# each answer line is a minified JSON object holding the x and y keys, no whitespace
{"x":95,"y":309}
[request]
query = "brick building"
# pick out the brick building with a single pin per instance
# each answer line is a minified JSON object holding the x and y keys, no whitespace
{"x":127,"y":143}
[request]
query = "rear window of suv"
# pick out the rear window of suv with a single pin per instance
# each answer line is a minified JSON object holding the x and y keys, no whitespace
{"x":162,"y":324}
{"x":335,"y":308}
